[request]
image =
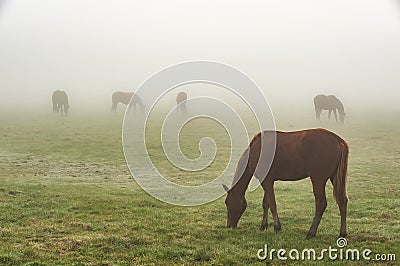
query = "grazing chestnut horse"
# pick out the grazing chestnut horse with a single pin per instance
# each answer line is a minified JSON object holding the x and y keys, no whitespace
{"x":125,"y":97}
{"x":181,"y":98}
{"x":60,"y":102}
{"x":315,"y":153}
{"x":331,"y":103}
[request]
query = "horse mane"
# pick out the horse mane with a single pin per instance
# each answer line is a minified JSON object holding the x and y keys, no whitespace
{"x":339,"y":104}
{"x":244,"y":173}
{"x":241,"y":168}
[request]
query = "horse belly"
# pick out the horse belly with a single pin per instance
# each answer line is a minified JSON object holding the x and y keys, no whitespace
{"x":288,"y":171}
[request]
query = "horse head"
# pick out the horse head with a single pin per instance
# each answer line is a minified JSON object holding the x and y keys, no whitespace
{"x":341,"y":117}
{"x":66,"y":109}
{"x":236,"y":205}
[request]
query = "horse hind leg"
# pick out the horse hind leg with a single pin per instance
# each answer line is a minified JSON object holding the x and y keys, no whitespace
{"x":264,"y":223}
{"x":343,"y":211}
{"x":320,"y":204}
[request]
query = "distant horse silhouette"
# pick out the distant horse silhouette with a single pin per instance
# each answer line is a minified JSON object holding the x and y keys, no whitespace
{"x":125,"y":97}
{"x":60,"y":102}
{"x":331,"y":103}
{"x":315,"y":153}
{"x":181,"y":98}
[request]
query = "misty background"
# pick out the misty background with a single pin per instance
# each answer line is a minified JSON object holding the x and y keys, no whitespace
{"x":292,"y":49}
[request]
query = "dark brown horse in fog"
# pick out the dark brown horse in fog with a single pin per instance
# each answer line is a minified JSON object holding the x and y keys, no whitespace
{"x":60,"y":102}
{"x":331,"y":103}
{"x":125,"y":97}
{"x":181,"y":102}
{"x":315,"y":153}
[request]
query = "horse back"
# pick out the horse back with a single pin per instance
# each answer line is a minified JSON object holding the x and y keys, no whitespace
{"x":123,"y":97}
{"x":327,"y":102}
{"x":321,"y":152}
{"x":60,"y":97}
{"x":287,"y":163}
{"x":298,"y":154}
{"x":182,"y":96}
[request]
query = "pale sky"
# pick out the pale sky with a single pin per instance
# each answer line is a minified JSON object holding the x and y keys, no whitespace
{"x":292,"y":49}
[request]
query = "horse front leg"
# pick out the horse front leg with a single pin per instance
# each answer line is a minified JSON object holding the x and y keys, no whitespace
{"x":269,"y":190}
{"x":329,"y":114}
{"x":264,"y":223}
{"x":318,"y":113}
{"x":184,"y":108}
{"x":320,"y":204}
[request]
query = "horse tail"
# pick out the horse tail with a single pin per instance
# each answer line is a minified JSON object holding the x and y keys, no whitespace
{"x":340,"y":179}
{"x":114,"y":101}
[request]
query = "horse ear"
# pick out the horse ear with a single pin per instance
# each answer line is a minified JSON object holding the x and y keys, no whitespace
{"x":225,"y":187}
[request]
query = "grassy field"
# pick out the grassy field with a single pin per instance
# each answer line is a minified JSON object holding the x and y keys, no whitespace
{"x":67,"y":198}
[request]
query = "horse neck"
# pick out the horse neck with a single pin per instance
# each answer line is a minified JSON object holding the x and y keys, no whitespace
{"x":241,"y":186}
{"x":340,"y":107}
{"x":139,"y":102}
{"x":241,"y":183}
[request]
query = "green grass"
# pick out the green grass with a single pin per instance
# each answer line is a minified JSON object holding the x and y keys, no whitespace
{"x":67,"y":198}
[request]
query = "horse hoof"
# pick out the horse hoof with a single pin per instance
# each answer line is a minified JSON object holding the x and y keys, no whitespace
{"x":309,"y":236}
{"x":277,"y":228}
{"x":263,"y":227}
